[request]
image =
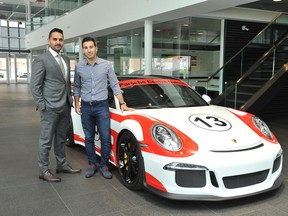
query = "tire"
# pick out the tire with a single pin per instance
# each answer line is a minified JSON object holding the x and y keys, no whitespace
{"x":70,"y":135}
{"x":130,"y":161}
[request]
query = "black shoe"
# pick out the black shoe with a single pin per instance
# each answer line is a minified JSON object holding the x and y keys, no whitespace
{"x":67,"y":169}
{"x":48,"y":176}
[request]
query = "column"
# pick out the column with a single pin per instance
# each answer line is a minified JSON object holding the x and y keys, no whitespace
{"x":148,"y":45}
{"x":81,"y":55}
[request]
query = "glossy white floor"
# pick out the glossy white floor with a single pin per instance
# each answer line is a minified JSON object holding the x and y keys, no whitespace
{"x":22,"y":193}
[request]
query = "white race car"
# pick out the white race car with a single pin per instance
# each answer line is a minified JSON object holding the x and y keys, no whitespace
{"x":178,"y":146}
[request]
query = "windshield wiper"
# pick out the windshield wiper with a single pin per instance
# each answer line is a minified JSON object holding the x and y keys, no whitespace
{"x":153,"y":107}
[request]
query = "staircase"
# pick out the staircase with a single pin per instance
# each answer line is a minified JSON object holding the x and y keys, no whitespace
{"x":263,"y":69}
{"x":256,"y":77}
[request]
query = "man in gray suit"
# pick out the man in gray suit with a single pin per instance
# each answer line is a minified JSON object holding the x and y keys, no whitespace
{"x":51,"y":90}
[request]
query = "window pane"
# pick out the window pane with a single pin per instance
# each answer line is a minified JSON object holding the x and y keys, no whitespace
{"x":13,"y":32}
{"x":3,"y":32}
{"x":3,"y":23}
{"x":4,"y":43}
{"x":14,"y":43}
{"x":22,"y":25}
{"x":13,"y":24}
{"x":22,"y":33}
{"x":22,"y":44}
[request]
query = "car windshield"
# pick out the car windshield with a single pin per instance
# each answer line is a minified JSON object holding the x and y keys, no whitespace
{"x":158,"y":95}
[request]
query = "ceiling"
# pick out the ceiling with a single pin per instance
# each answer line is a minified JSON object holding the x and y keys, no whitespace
{"x":15,"y":10}
{"x":279,"y":6}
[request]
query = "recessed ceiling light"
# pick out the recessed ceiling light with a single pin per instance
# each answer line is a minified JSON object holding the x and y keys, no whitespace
{"x":277,"y":0}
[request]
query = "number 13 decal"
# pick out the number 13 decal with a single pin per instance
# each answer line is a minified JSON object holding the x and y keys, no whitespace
{"x":210,"y":122}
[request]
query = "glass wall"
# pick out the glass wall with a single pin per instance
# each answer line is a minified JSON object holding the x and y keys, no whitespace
{"x":187,"y":48}
{"x":14,"y":59}
{"x":180,"y":48}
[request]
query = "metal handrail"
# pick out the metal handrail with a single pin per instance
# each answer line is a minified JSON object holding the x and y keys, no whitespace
{"x":231,"y":88}
{"x":240,"y":51}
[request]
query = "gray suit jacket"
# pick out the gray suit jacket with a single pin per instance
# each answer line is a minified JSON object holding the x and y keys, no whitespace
{"x":49,"y":88}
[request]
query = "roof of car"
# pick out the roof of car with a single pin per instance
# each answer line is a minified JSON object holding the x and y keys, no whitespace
{"x":128,"y":77}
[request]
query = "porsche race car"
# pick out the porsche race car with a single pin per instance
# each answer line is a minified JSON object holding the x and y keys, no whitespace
{"x":177,"y":145}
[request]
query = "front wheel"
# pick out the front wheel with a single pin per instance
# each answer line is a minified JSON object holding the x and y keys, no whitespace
{"x":130,"y":161}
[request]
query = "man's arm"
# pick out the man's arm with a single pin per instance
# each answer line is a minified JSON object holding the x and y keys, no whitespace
{"x":76,"y":91}
{"x":36,"y":85}
{"x":77,"y":105}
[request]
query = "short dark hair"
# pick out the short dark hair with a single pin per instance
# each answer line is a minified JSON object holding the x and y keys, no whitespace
{"x":55,"y":30}
{"x":86,"y":39}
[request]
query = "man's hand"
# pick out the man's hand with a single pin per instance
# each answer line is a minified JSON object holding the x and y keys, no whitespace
{"x":124,"y":107}
{"x":78,"y":109}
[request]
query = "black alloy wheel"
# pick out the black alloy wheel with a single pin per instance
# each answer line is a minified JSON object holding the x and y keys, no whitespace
{"x":130,"y":161}
{"x":70,"y":135}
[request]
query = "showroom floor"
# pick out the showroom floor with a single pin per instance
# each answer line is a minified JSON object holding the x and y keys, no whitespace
{"x":22,"y":193}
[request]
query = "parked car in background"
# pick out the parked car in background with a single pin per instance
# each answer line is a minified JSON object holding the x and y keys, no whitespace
{"x":22,"y":74}
{"x":2,"y":72}
{"x":176,"y":145}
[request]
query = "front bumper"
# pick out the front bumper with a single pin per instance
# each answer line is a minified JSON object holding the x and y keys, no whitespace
{"x":217,"y":177}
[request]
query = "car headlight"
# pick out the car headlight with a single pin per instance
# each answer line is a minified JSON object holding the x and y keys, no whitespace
{"x":166,"y":138}
{"x":261,"y":125}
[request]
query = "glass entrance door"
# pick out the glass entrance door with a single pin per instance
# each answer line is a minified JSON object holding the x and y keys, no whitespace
{"x":14,"y":68}
{"x":3,"y":68}
{"x":19,"y":68}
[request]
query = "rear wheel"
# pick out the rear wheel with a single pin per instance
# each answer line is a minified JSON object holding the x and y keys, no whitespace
{"x":70,"y":135}
{"x":130,"y":161}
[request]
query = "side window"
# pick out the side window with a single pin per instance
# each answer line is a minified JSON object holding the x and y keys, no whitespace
{"x":111,"y":100}
{"x":136,"y":97}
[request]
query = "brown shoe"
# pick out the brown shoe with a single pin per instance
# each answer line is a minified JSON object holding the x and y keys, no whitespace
{"x":67,"y":169}
{"x":48,"y":176}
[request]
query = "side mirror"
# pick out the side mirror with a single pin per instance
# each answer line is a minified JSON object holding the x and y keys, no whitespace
{"x":206,"y":98}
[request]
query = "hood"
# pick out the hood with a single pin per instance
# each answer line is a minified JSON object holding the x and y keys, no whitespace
{"x":213,"y":128}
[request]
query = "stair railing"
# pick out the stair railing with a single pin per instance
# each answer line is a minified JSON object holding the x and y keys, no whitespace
{"x":277,"y":19}
{"x":234,"y":86}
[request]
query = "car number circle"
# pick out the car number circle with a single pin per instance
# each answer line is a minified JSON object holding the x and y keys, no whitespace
{"x":210,"y":122}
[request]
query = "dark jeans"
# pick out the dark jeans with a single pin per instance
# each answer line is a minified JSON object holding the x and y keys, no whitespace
{"x":96,"y":118}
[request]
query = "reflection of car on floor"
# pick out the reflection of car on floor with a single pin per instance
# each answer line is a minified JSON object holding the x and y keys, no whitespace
{"x":178,"y":146}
